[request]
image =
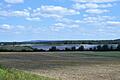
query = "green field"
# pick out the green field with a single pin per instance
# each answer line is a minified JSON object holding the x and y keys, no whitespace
{"x":65,"y":65}
{"x":87,"y":54}
{"x":15,"y":48}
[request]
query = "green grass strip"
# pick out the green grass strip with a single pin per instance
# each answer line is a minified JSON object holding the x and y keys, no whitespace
{"x":13,"y":74}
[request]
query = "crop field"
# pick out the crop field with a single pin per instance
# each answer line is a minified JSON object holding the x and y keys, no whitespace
{"x":66,"y":65}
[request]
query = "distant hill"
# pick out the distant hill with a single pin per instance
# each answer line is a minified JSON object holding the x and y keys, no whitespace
{"x":57,"y":42}
{"x":50,"y":42}
{"x":37,"y":41}
{"x":44,"y":40}
{"x":117,"y":39}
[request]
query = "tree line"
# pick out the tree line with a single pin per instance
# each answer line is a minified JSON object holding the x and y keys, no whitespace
{"x":82,"y":48}
{"x":104,"y":47}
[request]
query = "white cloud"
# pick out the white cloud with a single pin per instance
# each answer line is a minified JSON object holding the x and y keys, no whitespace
{"x":43,"y":11}
{"x":12,"y":28}
{"x":14,"y":13}
{"x":33,"y":19}
{"x":94,"y":7}
{"x":20,"y":27}
{"x":94,"y":1}
{"x":60,"y":26}
{"x":113,"y":23}
{"x":14,"y":1}
{"x":20,"y":13}
{"x":91,"y":5}
{"x":5,"y":27}
{"x":53,"y":11}
{"x":97,"y":19}
{"x":96,"y":11}
{"x":69,"y":21}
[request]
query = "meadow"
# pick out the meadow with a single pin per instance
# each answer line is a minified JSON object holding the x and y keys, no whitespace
{"x":65,"y":65}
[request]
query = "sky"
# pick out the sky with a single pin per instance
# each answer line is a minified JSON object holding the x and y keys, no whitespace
{"x":24,"y":20}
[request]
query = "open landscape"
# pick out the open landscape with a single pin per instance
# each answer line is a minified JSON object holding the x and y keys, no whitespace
{"x":86,"y":65}
{"x":59,"y":40}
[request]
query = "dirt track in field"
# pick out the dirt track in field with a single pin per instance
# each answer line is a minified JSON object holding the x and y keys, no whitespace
{"x":62,"y":66}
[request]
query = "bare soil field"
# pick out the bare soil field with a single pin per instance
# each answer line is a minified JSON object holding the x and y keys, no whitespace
{"x":66,"y":65}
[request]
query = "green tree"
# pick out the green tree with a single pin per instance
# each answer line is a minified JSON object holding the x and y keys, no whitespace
{"x":99,"y":48}
{"x":105,"y":48}
{"x":118,"y":47}
{"x":81,"y":48}
{"x":73,"y":48}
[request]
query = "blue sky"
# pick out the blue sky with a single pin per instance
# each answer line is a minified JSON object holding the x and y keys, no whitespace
{"x":22,"y":20}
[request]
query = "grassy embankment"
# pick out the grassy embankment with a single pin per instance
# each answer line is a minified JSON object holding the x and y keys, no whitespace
{"x":12,"y":74}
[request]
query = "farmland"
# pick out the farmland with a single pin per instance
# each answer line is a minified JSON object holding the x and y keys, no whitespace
{"x":66,"y":65}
